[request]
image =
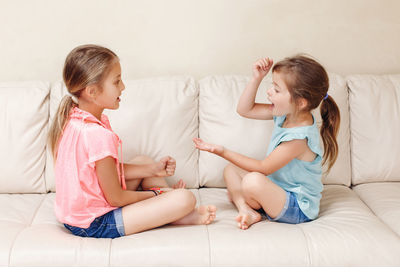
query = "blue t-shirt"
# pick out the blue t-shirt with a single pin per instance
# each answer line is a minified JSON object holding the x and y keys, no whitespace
{"x":303,"y":178}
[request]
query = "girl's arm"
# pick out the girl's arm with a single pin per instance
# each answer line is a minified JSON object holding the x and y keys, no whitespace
{"x":247,"y":107}
{"x":278,"y":158}
{"x":165,"y":167}
{"x":109,"y":182}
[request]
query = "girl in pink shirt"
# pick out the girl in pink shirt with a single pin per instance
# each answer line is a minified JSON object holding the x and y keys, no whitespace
{"x":96,"y":194}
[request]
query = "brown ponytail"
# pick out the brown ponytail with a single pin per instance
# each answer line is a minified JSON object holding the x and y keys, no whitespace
{"x":85,"y":65}
{"x":330,"y":115}
{"x":307,"y":79}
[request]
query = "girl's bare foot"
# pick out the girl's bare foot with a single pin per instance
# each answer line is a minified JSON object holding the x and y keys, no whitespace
{"x":247,"y":218}
{"x":179,"y":184}
{"x":200,"y":215}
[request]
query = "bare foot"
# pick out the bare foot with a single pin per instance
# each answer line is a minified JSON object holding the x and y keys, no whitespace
{"x":200,"y":215}
{"x":179,"y":184}
{"x":247,"y":218}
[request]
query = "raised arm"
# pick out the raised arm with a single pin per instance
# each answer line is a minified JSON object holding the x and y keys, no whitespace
{"x":246,"y":106}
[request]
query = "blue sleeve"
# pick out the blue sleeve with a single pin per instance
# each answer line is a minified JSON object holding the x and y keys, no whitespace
{"x":312,"y":141}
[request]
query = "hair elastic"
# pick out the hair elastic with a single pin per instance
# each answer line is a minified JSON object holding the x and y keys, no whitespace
{"x":326,"y":96}
{"x":74,"y":98}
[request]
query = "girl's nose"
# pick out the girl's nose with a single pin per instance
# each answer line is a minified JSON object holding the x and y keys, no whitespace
{"x":123,"y":86}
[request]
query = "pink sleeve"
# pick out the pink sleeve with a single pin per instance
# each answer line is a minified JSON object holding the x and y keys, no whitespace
{"x":100,"y":143}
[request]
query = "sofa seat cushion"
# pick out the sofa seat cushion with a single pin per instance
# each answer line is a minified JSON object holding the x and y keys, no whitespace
{"x":384,"y":200}
{"x":31,"y":236}
{"x":17,"y":213}
{"x":346,"y":233}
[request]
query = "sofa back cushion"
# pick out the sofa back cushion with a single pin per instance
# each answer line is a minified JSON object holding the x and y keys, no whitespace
{"x":157,"y":117}
{"x":375,"y":127}
{"x":219,"y":123}
{"x":24,"y":123}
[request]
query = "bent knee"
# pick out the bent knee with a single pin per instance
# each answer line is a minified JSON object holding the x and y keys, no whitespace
{"x":253,"y":181}
{"x":185,"y":198}
{"x":230,"y":169}
{"x":142,"y":159}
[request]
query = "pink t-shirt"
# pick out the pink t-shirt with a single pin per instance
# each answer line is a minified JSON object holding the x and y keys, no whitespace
{"x":85,"y":140}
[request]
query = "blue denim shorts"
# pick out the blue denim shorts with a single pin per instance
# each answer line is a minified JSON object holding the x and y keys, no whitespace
{"x":109,"y":225}
{"x":291,"y":212}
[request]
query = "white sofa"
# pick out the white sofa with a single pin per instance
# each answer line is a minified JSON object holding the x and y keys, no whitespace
{"x":359,"y":220}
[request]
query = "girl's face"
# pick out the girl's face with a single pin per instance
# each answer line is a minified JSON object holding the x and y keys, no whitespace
{"x":112,"y":88}
{"x":279,"y":96}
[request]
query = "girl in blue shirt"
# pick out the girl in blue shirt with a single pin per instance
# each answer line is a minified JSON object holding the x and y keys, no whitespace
{"x":286,"y":185}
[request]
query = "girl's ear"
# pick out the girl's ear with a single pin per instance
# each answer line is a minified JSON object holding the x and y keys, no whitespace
{"x":302,"y":103}
{"x":90,"y":91}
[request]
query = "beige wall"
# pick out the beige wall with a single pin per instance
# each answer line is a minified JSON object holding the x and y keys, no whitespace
{"x":199,"y":37}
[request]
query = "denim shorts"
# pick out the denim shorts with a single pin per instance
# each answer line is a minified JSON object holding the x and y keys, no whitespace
{"x":291,"y":212}
{"x":109,"y":225}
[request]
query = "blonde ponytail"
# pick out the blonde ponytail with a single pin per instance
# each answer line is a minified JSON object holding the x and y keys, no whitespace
{"x":59,"y":121}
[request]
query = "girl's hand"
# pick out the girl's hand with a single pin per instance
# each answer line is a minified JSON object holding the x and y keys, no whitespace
{"x":200,"y":144}
{"x":165,"y":167}
{"x":261,"y":67}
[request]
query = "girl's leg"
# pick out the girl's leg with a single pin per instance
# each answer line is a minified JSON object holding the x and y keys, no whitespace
{"x":233,"y":176}
{"x":146,"y":183}
{"x":260,"y":192}
{"x":176,"y":206}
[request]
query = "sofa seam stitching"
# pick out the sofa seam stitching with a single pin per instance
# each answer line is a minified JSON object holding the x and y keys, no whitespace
{"x":197,"y":88}
{"x":27,"y":225}
{"x":373,"y":213}
{"x":47,"y":190}
{"x":208,"y":236}
{"x":350,"y":135}
{"x":308,"y":248}
{"x":37,"y":209}
{"x":209,"y":246}
{"x":12,"y":246}
{"x":109,"y":253}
